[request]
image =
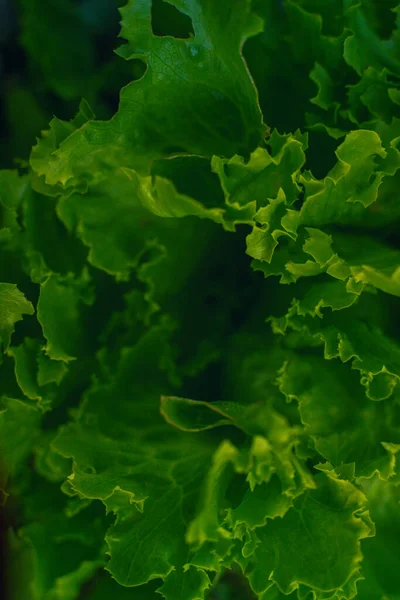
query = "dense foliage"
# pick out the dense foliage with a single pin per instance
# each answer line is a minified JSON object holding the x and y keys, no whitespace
{"x":199,"y":307}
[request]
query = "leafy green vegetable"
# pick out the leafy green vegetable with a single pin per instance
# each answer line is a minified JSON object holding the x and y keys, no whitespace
{"x":199,"y":301}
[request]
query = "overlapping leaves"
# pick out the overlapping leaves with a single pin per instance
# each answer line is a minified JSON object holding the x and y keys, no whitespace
{"x":266,"y":452}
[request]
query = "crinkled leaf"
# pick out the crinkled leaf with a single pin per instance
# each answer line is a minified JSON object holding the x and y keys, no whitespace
{"x":60,"y":314}
{"x":25,"y":357}
{"x":343,"y":423}
{"x":34,"y":370}
{"x":146,"y":472}
{"x":111,"y":220}
{"x":13,"y":305}
{"x":12,"y":189}
{"x":349,"y":335}
{"x":50,"y":141}
{"x":65,"y":552}
{"x":267,"y":171}
{"x":299,"y":549}
{"x":364,"y":48}
{"x":222,"y":116}
{"x":380,"y":565}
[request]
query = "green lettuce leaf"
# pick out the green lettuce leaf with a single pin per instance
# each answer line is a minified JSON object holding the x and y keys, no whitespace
{"x":144,"y":471}
{"x":13,"y":305}
{"x":192,"y":584}
{"x":34,"y":371}
{"x":112,"y":221}
{"x":157,"y":438}
{"x":60,"y":314}
{"x":19,"y":428}
{"x":379,"y":565}
{"x":350,"y":335}
{"x":337,"y":416}
{"x":64,"y":553}
{"x":269,"y":170}
{"x":50,"y":140}
{"x":207,"y":68}
{"x":12,"y":189}
{"x":291,"y":547}
{"x":364,"y":48}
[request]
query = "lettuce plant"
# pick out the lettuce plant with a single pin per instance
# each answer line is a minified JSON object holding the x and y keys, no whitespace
{"x":199,"y":301}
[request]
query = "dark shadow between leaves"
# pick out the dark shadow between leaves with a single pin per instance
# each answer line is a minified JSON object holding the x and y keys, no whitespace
{"x":166,"y":20}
